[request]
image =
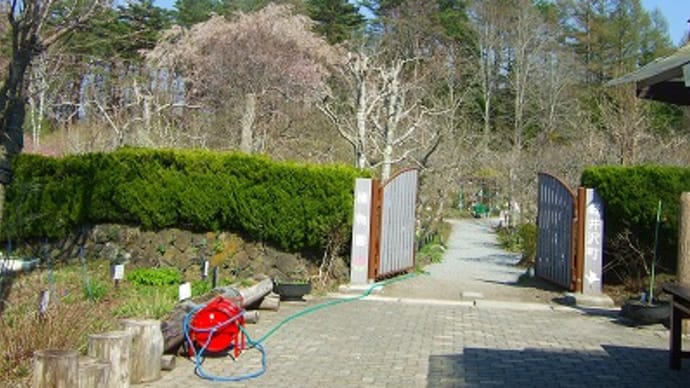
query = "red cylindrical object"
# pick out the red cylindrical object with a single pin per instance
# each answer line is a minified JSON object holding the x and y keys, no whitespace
{"x":217,"y":313}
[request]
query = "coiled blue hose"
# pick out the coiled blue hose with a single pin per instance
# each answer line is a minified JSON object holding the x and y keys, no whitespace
{"x":198,"y":354}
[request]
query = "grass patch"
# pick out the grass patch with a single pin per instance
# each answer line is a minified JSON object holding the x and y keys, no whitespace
{"x":83,"y":301}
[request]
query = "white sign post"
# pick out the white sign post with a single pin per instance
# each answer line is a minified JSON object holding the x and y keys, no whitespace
{"x":118,"y":273}
{"x":594,"y":242}
{"x":359,"y":261}
{"x":184,"y":291}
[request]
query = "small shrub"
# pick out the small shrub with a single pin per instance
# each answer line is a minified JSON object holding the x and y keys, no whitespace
{"x":528,"y":244}
{"x":201,"y":287}
{"x":508,"y":238}
{"x":148,"y":302}
{"x":522,"y":239}
{"x":95,"y":290}
{"x":154,"y":276}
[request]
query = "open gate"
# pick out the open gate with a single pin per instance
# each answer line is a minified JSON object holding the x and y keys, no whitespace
{"x":556,"y":237}
{"x":393,"y":225}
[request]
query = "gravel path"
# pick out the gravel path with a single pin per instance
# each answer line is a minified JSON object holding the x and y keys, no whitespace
{"x":474,"y":267}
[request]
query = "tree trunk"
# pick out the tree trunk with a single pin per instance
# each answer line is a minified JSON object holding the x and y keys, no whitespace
{"x":248,"y":118}
{"x":12,"y":113}
{"x":55,"y":368}
{"x":684,"y":240}
{"x":684,"y":247}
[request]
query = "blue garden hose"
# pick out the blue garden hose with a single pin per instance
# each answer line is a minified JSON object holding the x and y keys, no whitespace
{"x":198,"y":354}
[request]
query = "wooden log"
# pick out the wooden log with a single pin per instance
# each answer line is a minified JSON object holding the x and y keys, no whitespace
{"x":147,"y":349}
{"x":173,"y":336}
{"x":113,"y":347}
{"x":256,"y":292}
{"x":172,"y":327}
{"x":55,"y":368}
{"x":270,"y":302}
{"x":684,"y":248}
{"x":168,"y":362}
{"x":251,"y":316}
{"x":92,"y":372}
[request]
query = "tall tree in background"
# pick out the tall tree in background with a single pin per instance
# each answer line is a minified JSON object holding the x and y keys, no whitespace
{"x":247,"y":61}
{"x":337,"y":20}
{"x":190,"y":12}
{"x":34,"y":26}
{"x":487,"y":18}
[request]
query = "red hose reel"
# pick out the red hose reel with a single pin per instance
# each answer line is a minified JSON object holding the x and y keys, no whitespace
{"x":215,"y":328}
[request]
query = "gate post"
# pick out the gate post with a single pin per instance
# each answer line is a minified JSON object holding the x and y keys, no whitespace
{"x":580,"y":239}
{"x":593,"y":242}
{"x":361,"y":232}
{"x":375,"y":231}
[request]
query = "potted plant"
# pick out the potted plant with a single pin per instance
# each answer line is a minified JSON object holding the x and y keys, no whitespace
{"x":648,"y":309}
{"x":291,"y":289}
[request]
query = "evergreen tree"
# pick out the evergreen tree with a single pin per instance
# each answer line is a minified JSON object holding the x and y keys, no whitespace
{"x":121,"y":32}
{"x":190,"y":12}
{"x":337,"y":19}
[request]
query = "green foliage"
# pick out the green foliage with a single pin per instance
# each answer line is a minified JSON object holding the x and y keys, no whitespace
{"x":95,"y":290}
{"x":528,"y":243}
{"x":147,"y":302}
{"x":201,"y":287}
{"x":292,"y":206}
{"x":155,"y":276}
{"x":522,"y":239}
{"x":508,"y":239}
{"x":190,"y":12}
{"x":121,"y":32}
{"x":337,"y":19}
{"x":631,"y":196}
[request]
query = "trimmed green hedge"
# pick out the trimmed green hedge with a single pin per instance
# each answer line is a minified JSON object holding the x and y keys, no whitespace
{"x":291,"y":205}
{"x":631,"y":196}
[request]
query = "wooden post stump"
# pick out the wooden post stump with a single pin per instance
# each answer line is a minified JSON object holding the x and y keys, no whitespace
{"x":113,"y":347}
{"x":147,"y":349}
{"x":168,"y":362}
{"x":684,"y":247}
{"x":251,"y":316}
{"x":55,"y":368}
{"x":270,"y":302}
{"x":92,"y":372}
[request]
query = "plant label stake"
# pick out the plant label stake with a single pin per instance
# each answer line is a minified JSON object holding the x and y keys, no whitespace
{"x":184,"y":291}
{"x":205,"y":270}
{"x":43,"y":302}
{"x":214,"y":282}
{"x":118,"y":273}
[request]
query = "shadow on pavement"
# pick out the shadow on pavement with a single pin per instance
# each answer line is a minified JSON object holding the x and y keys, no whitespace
{"x":526,"y":281}
{"x":613,"y":366}
{"x":506,"y":260}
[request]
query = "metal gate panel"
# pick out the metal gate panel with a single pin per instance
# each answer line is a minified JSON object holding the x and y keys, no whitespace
{"x":556,"y":230}
{"x":398,"y":223}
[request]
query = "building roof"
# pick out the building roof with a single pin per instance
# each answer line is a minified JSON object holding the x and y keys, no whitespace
{"x":665,"y":79}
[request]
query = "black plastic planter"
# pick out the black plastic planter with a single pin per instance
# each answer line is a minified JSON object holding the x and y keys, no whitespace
{"x":291,"y":290}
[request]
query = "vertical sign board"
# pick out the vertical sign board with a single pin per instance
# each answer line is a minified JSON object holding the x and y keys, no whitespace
{"x":359,"y":260}
{"x":594,"y":242}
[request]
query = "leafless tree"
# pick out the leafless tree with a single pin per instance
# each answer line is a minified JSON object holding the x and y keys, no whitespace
{"x":31,"y":33}
{"x":247,"y":61}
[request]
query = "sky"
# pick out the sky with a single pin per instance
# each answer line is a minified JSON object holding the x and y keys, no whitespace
{"x":677,"y":13}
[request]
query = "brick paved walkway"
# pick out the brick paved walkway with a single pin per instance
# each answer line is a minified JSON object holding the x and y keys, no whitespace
{"x":500,"y":339}
{"x":394,"y":343}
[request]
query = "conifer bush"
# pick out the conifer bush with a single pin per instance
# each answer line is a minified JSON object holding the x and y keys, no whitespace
{"x":293,"y":206}
{"x":631,"y":196}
